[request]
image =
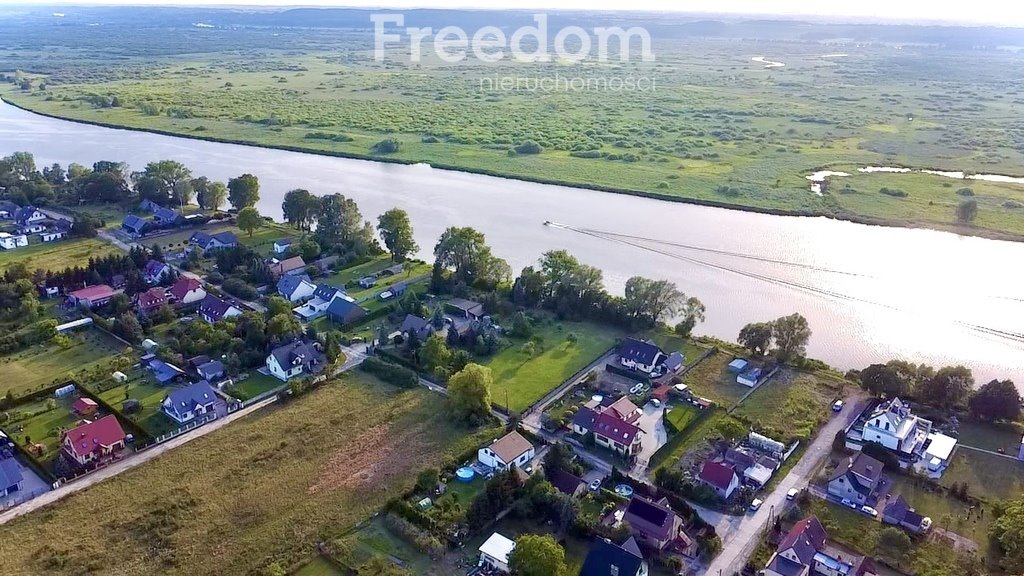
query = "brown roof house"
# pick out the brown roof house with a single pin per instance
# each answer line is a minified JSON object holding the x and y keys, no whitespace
{"x":804,"y":552}
{"x":719,"y":477}
{"x":566,"y":483}
{"x":856,"y":479}
{"x":510,"y":450}
{"x":658,"y":526}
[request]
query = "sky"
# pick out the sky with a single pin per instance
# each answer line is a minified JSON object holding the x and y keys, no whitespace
{"x":1000,"y":12}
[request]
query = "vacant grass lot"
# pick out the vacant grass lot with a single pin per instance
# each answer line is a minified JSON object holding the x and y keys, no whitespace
{"x":987,"y":476}
{"x":47,"y":364}
{"x":944,"y":510}
{"x":55,"y":256}
{"x":679,"y":444}
{"x":524,"y":380}
{"x":792,"y":405}
{"x":991,"y":436}
{"x":670,"y":343}
{"x":255,"y":494}
{"x":712,"y":379}
{"x":254,"y":385}
{"x":679,"y":416}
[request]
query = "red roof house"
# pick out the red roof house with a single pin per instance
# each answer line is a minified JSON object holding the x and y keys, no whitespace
{"x":616,"y":434}
{"x":92,"y":296}
{"x":187,"y":291}
{"x":719,"y":477}
{"x":151,"y":300}
{"x":93,"y":441}
{"x":85,"y":406}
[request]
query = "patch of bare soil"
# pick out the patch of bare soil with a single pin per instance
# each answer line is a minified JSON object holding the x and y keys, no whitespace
{"x":379,"y":454}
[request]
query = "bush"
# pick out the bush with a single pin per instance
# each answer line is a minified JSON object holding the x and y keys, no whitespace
{"x":965,"y":192}
{"x":528,"y":147}
{"x":239,"y":288}
{"x":1012,"y":204}
{"x":391,"y":373}
{"x":894,"y":192}
{"x":388,"y":146}
{"x":215,"y":277}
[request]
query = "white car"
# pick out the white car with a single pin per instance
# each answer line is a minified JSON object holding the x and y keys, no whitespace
{"x":756,"y":504}
{"x":656,"y":403}
{"x":869,"y":511}
{"x":792,"y":494}
{"x":595,"y":485}
{"x":849,"y":503}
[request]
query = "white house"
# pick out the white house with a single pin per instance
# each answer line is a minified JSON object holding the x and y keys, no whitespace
{"x":295,"y":359}
{"x":640,"y":355}
{"x":191,"y":402}
{"x":893,"y":426}
{"x":28,"y":215}
{"x":53,"y":235}
{"x":719,"y":477}
{"x":511,"y":449}
{"x":31,"y":228}
{"x":187,"y":291}
{"x":495,"y":552}
{"x":10,"y":242}
{"x":295,"y":288}
{"x":282,"y":246}
{"x":317,"y":305}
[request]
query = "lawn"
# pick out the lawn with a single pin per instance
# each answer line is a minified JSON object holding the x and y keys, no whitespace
{"x":251,"y":497}
{"x":254,"y":385}
{"x":712,"y":379}
{"x":991,"y":436}
{"x":47,"y":364}
{"x":679,"y":444}
{"x":520,"y":381}
{"x":679,"y":416}
{"x":56,"y":256}
{"x":44,"y":427}
{"x":987,"y":476}
{"x":143,"y":387}
{"x":262,"y":240}
{"x":944,"y":510}
{"x":376,"y":540}
{"x":320,"y":566}
{"x":792,"y":405}
{"x":671,"y":342}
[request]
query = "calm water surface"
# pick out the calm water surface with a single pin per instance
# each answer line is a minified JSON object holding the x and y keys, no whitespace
{"x":870,"y":293}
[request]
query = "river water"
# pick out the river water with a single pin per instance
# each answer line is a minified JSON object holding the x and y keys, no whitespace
{"x":870,"y":293}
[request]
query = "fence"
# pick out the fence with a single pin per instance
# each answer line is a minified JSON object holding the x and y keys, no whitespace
{"x":22,"y":498}
{"x":190,"y":426}
{"x":263,"y":396}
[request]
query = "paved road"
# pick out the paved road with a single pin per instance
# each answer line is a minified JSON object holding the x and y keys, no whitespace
{"x":740,"y":534}
{"x":129,"y":462}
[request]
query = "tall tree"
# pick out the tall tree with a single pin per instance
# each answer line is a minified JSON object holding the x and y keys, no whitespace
{"x":340,"y":225}
{"x":791,"y":334}
{"x":997,"y":400}
{"x":537,"y":555}
{"x":396,"y":231}
{"x":164,"y":181}
{"x":464,"y":251}
{"x":249,"y":219}
{"x":884,"y":379}
{"x":469,"y":392}
{"x":948,"y":387}
{"x":214,"y":196}
{"x":22,"y":165}
{"x":652,"y":300}
{"x":756,"y":337}
{"x":300,"y":208}
{"x":1008,"y":531}
{"x":243,"y":191}
{"x":692,"y":311}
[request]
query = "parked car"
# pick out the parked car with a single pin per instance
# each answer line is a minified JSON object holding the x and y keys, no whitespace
{"x":595,"y":485}
{"x":756,"y":504}
{"x":837,"y":406}
{"x":655,"y":402}
{"x":792,"y":494}
{"x":849,"y":504}
{"x":869,"y":511}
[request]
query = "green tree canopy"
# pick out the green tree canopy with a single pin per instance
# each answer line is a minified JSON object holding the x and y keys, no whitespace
{"x":395,"y":230}
{"x":756,"y":337}
{"x":649,"y":301}
{"x":243,"y":191}
{"x":469,"y":392}
{"x":948,"y":387}
{"x":300,"y":208}
{"x":249,"y":220}
{"x":997,"y":400}
{"x":791,"y":334}
{"x":537,"y":555}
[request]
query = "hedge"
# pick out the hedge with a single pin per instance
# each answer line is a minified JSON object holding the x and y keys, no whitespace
{"x":390,"y":373}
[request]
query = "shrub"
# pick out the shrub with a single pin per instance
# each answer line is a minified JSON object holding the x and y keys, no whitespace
{"x":528,"y":147}
{"x":894,"y":192}
{"x":239,"y":288}
{"x":1012,"y":204}
{"x":390,"y":373}
{"x":965,"y":192}
{"x":388,"y":146}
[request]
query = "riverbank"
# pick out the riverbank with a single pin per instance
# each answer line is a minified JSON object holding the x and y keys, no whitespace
{"x":836,"y":212}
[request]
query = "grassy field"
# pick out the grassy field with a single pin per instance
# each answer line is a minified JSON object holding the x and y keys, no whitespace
{"x":143,"y":387}
{"x":670,"y":343}
{"x":991,"y":436}
{"x":712,"y":379}
{"x":256,"y":494}
{"x":47,"y":364}
{"x":944,"y":510}
{"x":987,"y":476}
{"x":719,"y":128}
{"x":792,"y":405}
{"x":376,"y":540}
{"x":680,"y":416}
{"x":319,"y":566}
{"x":526,"y":380}
{"x":254,"y":385}
{"x":679,"y":444}
{"x":262,"y":240}
{"x":44,"y":427}
{"x":55,"y":256}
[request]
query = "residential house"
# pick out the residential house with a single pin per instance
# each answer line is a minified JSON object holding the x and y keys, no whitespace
{"x":186,"y":404}
{"x":317,"y":305}
{"x":187,"y":291}
{"x":494,"y":552}
{"x":85,"y":406}
{"x":148,"y":205}
{"x":937,"y":454}
{"x":10,"y":473}
{"x":367,"y":282}
{"x":164,"y":372}
{"x":118,"y":281}
{"x":856,"y":479}
{"x":211,"y":371}
{"x":606,"y":558}
{"x":753,"y":469}
{"x":295,"y":288}
{"x":11,"y":241}
{"x":720,"y":477}
{"x":396,"y":290}
{"x":898,"y":512}
{"x":53,"y":235}
{"x":213,"y":309}
{"x":196,"y":361}
{"x":566,"y":483}
{"x":510,"y":450}
{"x":465,"y":308}
{"x":583,"y":421}
{"x":393,"y":270}
{"x":674,"y":363}
{"x":167,"y":217}
{"x":295,"y":359}
{"x":345,"y":311}
{"x":421,"y":327}
{"x":91,"y":296}
{"x":150,"y":301}
{"x":216,"y":241}
{"x":7,"y":209}
{"x":640,"y":355}
{"x":893,"y":425}
{"x":28,"y":215}
{"x":616,"y":434}
{"x":326,"y":263}
{"x":804,"y":551}
{"x":750,"y":378}
{"x":656,"y":525}
{"x":294,"y":265}
{"x":134,"y":225}
{"x":282,"y":246}
{"x":93,"y":441}
{"x":31,"y":228}
{"x":155,"y":271}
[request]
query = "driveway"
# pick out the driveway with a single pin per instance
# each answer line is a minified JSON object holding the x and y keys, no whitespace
{"x":740,"y":536}
{"x":655,"y":436}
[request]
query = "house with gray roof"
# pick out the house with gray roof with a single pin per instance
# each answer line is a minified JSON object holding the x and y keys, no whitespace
{"x":134,"y":225}
{"x":856,"y":479}
{"x":345,"y":311}
{"x":421,"y":327}
{"x":216,"y":241}
{"x":167,"y":217}
{"x":211,"y":371}
{"x":295,"y":359}
{"x":10,"y":473}
{"x":186,"y":404}
{"x":295,"y":288}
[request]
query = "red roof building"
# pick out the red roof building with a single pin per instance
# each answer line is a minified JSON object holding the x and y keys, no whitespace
{"x":187,"y":291}
{"x":616,"y":434}
{"x":719,"y":477}
{"x":85,"y":406}
{"x":94,"y":441}
{"x":151,"y":300}
{"x":92,"y":296}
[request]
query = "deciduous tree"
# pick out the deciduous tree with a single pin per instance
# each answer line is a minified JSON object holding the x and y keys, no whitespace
{"x":948,"y":387}
{"x":395,"y":230}
{"x":300,"y":208}
{"x":537,"y":555}
{"x":791,"y":334}
{"x":243,"y":191}
{"x":997,"y":400}
{"x":756,"y":337}
{"x":469,"y":392}
{"x":249,"y":220}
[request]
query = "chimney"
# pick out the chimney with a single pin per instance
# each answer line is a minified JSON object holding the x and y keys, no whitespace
{"x":615,"y":570}
{"x":868,"y":467}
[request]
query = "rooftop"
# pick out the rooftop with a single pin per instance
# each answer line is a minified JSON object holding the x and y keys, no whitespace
{"x":510,"y":446}
{"x":498,"y":547}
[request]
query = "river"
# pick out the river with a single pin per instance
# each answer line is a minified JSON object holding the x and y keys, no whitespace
{"x":870,"y":293}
